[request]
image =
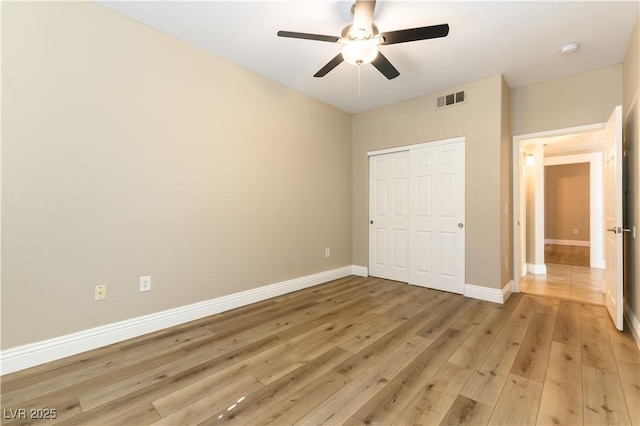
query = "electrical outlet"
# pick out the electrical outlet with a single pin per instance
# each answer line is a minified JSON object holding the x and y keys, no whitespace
{"x":575,"y":230}
{"x":145,"y":283}
{"x":100,"y":292}
{"x":327,"y":252}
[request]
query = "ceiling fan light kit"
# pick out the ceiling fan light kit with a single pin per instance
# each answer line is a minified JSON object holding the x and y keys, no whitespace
{"x":361,"y":40}
{"x":360,"y":52}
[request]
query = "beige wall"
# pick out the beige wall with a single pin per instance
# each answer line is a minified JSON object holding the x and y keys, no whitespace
{"x":631,"y":137}
{"x":572,"y":101}
{"x":126,"y":152}
{"x":567,"y":202}
{"x":417,"y":121}
{"x":506,"y":189}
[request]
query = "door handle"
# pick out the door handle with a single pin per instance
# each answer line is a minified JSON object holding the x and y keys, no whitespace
{"x":618,"y":230}
{"x":371,"y":222}
{"x":461,"y":225}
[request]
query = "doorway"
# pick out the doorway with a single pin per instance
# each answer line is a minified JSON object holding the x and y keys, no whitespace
{"x":564,"y":260}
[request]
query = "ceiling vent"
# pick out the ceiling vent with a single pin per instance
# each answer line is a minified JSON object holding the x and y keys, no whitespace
{"x":450,"y":99}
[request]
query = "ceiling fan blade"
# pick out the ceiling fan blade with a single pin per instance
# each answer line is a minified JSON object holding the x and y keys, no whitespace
{"x":384,"y":66}
{"x":306,"y":36}
{"x":415,"y":34}
{"x":330,"y":65}
{"x":363,"y":15}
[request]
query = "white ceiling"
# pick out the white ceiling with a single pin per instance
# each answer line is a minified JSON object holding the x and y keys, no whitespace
{"x":520,"y":40}
{"x":574,"y":143}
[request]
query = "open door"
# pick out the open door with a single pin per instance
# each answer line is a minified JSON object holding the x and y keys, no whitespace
{"x":613,"y":217}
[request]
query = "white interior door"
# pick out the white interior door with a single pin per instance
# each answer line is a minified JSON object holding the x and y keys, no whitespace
{"x":613,"y":217}
{"x":388,"y":215}
{"x":436,"y":219}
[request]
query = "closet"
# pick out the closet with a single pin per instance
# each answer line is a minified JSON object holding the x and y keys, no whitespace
{"x":416,"y":214}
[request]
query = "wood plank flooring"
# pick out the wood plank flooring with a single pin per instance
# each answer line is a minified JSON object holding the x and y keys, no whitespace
{"x":568,"y":276}
{"x":567,"y":255}
{"x":576,"y":283}
{"x":352,"y":351}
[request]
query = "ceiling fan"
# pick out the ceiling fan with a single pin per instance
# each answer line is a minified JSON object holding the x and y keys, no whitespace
{"x":361,"y":39}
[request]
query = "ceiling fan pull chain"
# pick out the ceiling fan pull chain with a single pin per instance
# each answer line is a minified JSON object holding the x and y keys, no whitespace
{"x":359,"y":66}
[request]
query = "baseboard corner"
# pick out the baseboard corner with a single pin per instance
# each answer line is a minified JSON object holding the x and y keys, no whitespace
{"x":507,"y":291}
{"x":361,"y":271}
{"x":483,"y":293}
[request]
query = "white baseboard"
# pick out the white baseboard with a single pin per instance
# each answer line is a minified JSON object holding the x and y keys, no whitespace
{"x":361,"y":271}
{"x":576,"y":243}
{"x":633,"y":322}
{"x":489,"y":294}
{"x":537,"y":269}
{"x":33,"y":354}
{"x":507,"y":291}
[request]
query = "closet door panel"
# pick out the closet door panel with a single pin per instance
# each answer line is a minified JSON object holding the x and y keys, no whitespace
{"x":436,"y":208}
{"x":388,"y":215}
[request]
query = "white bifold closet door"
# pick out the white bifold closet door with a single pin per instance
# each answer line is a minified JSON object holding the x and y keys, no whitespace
{"x":417,"y":216}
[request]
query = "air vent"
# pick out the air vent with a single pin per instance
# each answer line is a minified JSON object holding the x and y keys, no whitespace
{"x":450,"y":99}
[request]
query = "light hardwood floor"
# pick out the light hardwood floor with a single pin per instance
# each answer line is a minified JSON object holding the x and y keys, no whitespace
{"x":353,"y":351}
{"x":566,"y":255}
{"x":568,"y":276}
{"x":576,"y":283}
